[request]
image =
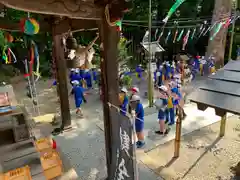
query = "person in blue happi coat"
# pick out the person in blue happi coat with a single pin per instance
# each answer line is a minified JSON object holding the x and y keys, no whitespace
{"x":88,"y":78}
{"x":139,"y":121}
{"x":72,"y":72}
{"x":95,"y":75}
{"x":76,"y":76}
{"x":161,"y":105}
{"x":124,"y":101}
{"x":139,"y":72}
{"x":79,"y":98}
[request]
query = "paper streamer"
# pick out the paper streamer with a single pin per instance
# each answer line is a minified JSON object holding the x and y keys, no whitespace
{"x":145,"y":37}
{"x":160,"y":36}
{"x":14,"y":57}
{"x":175,"y":36}
{"x":203,"y":29}
{"x":207,"y":30}
{"x":228,"y":22}
{"x":219,"y":26}
{"x":172,"y":10}
{"x":185,"y":40}
{"x":193,"y":34}
{"x":156,"y":32}
{"x":166,"y":40}
{"x":180,"y":35}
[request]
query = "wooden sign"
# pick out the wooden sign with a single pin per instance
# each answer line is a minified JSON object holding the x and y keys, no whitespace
{"x":123,"y":163}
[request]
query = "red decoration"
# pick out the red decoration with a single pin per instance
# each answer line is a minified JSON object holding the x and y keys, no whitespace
{"x":54,"y":144}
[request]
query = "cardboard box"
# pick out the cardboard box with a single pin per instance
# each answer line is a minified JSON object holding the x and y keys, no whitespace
{"x":43,"y":144}
{"x":19,"y":174}
{"x":51,"y":164}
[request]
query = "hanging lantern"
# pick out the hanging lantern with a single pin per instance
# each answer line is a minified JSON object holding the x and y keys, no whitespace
{"x":29,"y":26}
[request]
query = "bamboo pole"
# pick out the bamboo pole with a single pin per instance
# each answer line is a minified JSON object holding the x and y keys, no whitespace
{"x":223,"y":125}
{"x":178,"y":133}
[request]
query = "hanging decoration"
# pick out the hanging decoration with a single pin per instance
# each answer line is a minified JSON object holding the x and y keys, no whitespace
{"x":118,"y":24}
{"x":185,"y":39}
{"x":180,"y":35}
{"x":166,"y":40}
{"x":175,"y":36}
{"x":29,"y":26}
{"x":8,"y":37}
{"x":172,"y":10}
{"x":207,"y":30}
{"x":217,"y":29}
{"x":156,"y":32}
{"x":227,"y":23}
{"x":203,"y":29}
{"x":193,"y":33}
{"x":160,"y":36}
{"x":7,"y":57}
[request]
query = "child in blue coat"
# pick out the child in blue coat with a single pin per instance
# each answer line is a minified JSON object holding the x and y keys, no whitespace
{"x":124,"y":103}
{"x":139,"y":121}
{"x":79,"y":98}
{"x":162,"y":110}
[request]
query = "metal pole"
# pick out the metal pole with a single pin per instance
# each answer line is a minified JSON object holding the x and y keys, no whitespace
{"x":150,"y":79}
{"x":235,"y":4}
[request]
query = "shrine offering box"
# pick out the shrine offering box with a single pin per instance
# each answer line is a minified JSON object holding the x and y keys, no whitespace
{"x":43,"y":144}
{"x":19,"y":174}
{"x":51,"y":164}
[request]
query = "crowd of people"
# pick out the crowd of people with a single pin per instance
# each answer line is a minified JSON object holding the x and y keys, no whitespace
{"x":168,"y":79}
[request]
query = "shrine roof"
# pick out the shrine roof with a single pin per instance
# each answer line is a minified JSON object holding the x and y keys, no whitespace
{"x":220,"y":91}
{"x":79,"y":9}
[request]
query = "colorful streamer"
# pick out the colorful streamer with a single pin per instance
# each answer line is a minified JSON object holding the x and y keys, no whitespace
{"x":175,"y":36}
{"x":193,"y":34}
{"x":219,"y":26}
{"x":207,"y":30}
{"x":156,"y":32}
{"x":228,"y":22}
{"x":172,"y":10}
{"x":160,"y":36}
{"x":185,"y":39}
{"x":203,"y":29}
{"x":166,"y":40}
{"x":180,"y":35}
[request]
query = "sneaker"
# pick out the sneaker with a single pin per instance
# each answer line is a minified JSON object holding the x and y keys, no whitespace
{"x":141,"y":144}
{"x":159,"y":132}
{"x":137,"y":143}
{"x":172,"y":123}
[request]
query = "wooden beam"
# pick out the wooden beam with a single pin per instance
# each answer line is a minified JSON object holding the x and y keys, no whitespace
{"x":109,"y":68}
{"x":61,"y":73}
{"x":46,"y":26}
{"x":79,"y":9}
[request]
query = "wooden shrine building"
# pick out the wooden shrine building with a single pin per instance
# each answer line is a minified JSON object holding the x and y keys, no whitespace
{"x":60,"y":17}
{"x":221,"y":91}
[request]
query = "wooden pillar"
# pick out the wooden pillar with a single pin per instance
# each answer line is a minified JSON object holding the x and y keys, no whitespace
{"x":178,"y":133}
{"x":223,"y":125}
{"x":110,"y":86}
{"x":58,"y":52}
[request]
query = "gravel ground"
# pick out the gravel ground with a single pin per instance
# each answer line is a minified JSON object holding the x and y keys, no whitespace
{"x":203,"y":156}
